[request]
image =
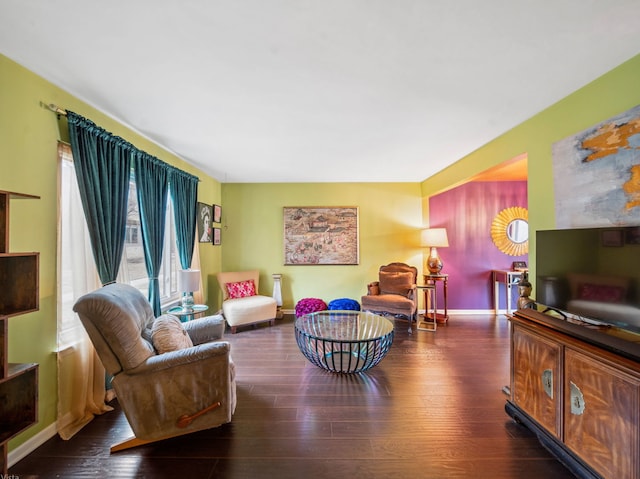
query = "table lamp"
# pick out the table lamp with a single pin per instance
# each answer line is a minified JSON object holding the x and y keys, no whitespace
{"x":188,"y":282}
{"x":434,"y":238}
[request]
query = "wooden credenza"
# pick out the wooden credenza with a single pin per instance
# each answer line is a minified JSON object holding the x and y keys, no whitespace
{"x":578,"y":388}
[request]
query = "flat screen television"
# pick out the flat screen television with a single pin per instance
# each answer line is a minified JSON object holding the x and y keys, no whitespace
{"x":592,"y":273}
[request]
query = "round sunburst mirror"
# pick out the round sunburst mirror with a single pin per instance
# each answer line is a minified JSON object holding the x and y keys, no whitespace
{"x":510,"y":231}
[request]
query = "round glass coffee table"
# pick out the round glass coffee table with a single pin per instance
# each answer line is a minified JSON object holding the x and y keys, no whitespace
{"x":344,"y":341}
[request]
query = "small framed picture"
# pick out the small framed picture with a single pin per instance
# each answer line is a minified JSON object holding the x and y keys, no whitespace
{"x":519,"y":265}
{"x":217,"y":213}
{"x":216,"y":236}
{"x":204,"y":222}
{"x":612,"y":238}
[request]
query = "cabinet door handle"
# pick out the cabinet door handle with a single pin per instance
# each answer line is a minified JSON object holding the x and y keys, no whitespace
{"x":577,"y":399}
{"x":547,"y":382}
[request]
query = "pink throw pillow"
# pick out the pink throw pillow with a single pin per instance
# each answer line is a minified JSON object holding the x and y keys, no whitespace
{"x":601,"y":292}
{"x":241,"y":289}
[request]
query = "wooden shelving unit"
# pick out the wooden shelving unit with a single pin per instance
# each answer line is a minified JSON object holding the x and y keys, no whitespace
{"x":19,"y":294}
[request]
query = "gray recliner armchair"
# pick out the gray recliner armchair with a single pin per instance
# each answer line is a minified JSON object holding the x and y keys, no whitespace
{"x":163,"y":394}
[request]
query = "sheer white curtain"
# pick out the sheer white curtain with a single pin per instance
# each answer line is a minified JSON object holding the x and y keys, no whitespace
{"x":81,"y":376}
{"x":198,"y":296}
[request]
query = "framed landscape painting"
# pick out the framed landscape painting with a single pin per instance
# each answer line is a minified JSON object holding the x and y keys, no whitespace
{"x":321,"y":235}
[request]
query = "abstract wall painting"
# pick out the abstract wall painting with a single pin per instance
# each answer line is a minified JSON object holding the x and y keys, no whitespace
{"x":597,"y":174}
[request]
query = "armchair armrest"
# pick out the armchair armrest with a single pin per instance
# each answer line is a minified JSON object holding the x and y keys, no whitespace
{"x":181,"y":357}
{"x":412,"y":291}
{"x":204,"y":330}
{"x":373,"y":288}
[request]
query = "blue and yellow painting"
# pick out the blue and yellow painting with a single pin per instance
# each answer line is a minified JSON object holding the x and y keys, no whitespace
{"x":597,"y":174}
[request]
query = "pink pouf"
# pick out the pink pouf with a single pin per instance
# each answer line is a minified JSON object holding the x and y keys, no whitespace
{"x":309,"y":305}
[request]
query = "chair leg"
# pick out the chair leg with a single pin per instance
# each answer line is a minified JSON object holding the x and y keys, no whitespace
{"x":410,"y":318}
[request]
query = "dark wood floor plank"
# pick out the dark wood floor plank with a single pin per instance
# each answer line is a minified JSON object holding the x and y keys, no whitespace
{"x":433,"y":408}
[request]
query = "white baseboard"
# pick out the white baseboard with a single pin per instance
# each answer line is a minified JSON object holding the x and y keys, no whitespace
{"x":31,"y":444}
{"x":463,"y":312}
{"x":456,"y":312}
{"x":466,"y":312}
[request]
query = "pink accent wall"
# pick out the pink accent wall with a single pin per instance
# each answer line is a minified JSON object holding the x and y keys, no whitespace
{"x":467,"y":212}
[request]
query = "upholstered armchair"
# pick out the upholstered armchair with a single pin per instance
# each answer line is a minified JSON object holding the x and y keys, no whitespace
{"x":170,"y":378}
{"x":394,"y":294}
{"x":241,"y":302}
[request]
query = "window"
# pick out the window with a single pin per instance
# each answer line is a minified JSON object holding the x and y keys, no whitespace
{"x":133,"y":269}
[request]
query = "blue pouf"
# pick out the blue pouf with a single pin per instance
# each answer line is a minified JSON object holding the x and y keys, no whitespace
{"x":344,"y":304}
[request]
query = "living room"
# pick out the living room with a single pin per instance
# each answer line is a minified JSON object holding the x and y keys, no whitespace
{"x":391,"y":214}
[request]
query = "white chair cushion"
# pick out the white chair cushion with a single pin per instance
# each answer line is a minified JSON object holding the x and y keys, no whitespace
{"x":250,"y":309}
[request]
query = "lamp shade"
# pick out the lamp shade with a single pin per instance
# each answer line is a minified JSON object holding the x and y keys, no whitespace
{"x":188,"y":280}
{"x":434,"y":237}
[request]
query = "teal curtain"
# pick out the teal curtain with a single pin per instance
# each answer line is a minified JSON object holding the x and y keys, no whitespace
{"x":103,"y":165}
{"x":152,"y":187}
{"x":184,"y":194}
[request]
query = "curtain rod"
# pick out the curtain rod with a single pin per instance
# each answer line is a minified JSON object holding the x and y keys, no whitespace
{"x":54,"y":108}
{"x":61,"y":111}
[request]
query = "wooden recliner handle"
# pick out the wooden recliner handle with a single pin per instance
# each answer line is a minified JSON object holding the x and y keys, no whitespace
{"x":185,"y":419}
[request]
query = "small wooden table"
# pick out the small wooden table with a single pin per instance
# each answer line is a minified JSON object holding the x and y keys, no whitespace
{"x":434,"y":279}
{"x":429,"y":322}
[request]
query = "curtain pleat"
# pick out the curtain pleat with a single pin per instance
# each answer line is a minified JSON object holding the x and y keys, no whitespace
{"x":103,"y":167}
{"x":152,"y":187}
{"x":184,"y":194}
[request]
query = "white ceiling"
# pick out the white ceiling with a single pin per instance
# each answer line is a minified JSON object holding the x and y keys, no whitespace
{"x":320,"y":90}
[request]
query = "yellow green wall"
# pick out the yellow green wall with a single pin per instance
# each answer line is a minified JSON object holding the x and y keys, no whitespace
{"x":28,"y":141}
{"x":607,"y":96}
{"x":252,"y":213}
{"x":252,"y":234}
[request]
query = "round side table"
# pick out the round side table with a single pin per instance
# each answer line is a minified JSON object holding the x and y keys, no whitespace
{"x":188,"y":314}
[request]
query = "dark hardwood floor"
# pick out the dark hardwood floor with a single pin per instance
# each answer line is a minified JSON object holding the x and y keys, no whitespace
{"x":433,"y":408}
